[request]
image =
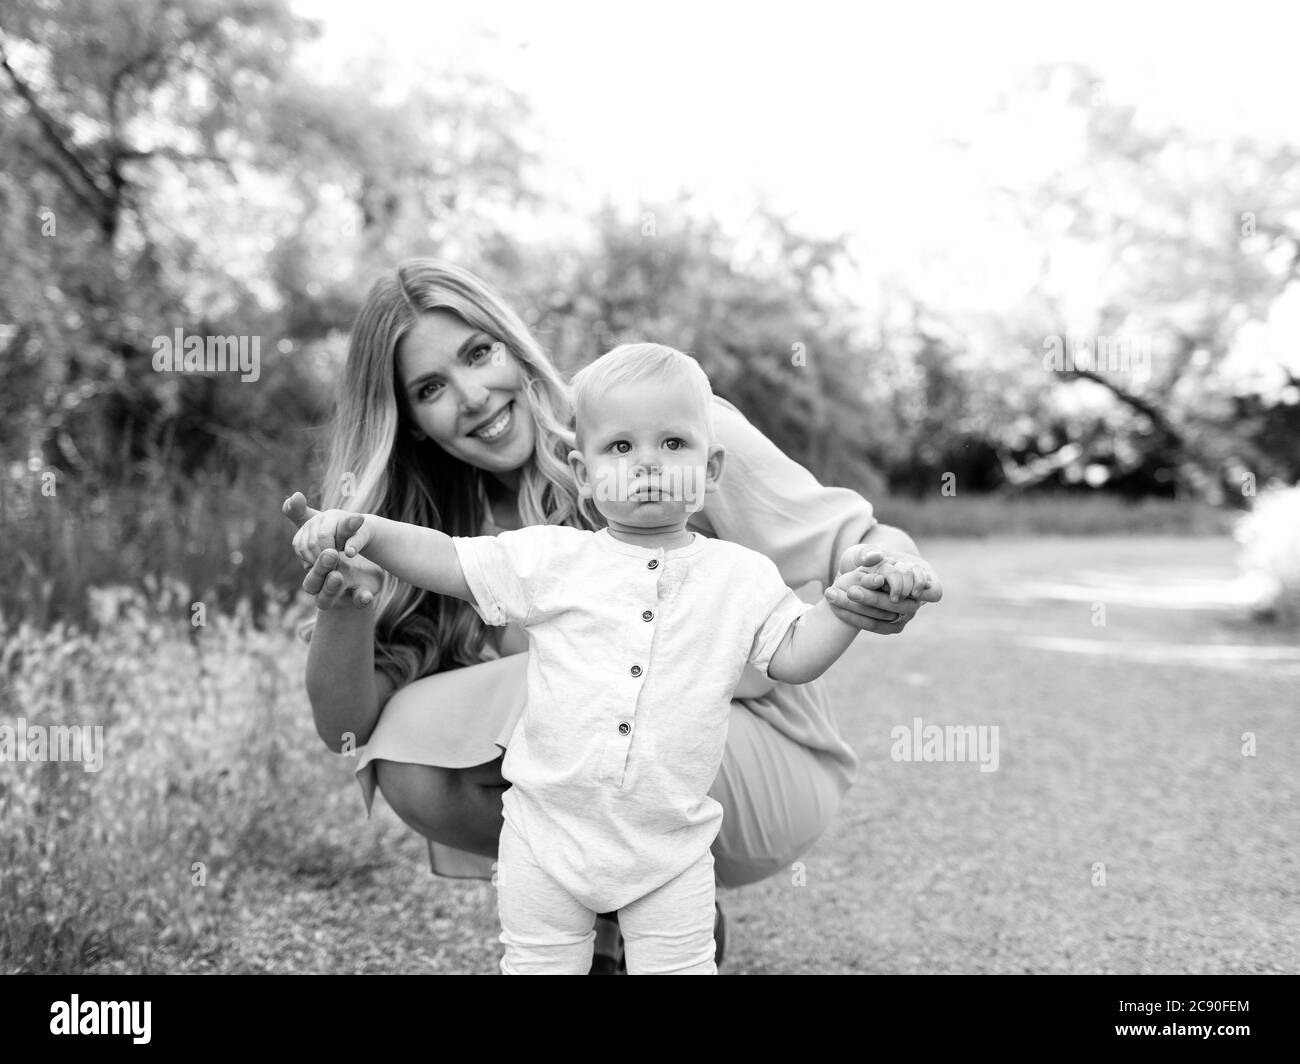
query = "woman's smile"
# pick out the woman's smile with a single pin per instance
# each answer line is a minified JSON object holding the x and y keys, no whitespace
{"x":496,"y":426}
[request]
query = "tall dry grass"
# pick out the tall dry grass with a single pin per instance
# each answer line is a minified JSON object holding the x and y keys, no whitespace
{"x":211,"y":770}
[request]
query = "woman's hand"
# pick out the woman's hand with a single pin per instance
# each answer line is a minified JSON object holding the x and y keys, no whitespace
{"x":332,"y":577}
{"x":867,"y":603}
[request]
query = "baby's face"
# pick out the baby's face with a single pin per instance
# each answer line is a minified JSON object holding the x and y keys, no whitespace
{"x":645,"y":460}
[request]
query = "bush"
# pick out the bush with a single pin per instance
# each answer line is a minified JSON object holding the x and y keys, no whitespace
{"x":1270,"y":539}
{"x":220,"y":534}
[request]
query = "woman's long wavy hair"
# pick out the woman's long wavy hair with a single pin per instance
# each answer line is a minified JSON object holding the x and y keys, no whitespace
{"x":377,"y":466}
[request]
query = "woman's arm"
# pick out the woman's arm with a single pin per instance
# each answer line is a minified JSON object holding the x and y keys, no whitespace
{"x":770,"y":503}
{"x":891,"y":540}
{"x":345,"y":689}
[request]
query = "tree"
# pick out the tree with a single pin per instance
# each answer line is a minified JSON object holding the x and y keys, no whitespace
{"x":760,"y":311}
{"x":196,"y":178}
{"x":1157,"y":248}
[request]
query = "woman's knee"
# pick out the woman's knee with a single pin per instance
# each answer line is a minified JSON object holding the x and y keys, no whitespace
{"x":774,"y":811}
{"x":444,"y":804}
{"x":740,"y":869}
{"x":425,"y":796}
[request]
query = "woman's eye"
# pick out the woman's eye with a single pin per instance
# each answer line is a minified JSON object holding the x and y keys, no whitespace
{"x":484,"y":351}
{"x":427,"y":391}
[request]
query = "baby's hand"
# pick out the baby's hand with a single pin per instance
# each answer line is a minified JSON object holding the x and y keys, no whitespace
{"x":906,"y":575}
{"x":339,"y":530}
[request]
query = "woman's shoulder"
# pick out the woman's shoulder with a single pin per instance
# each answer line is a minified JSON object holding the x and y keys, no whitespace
{"x":741,"y":438}
{"x":727,"y":414}
{"x":769,"y":502}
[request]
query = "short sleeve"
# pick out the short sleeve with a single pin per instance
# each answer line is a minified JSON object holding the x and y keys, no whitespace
{"x":770,"y":503}
{"x":505,"y":572}
{"x":778,"y":606}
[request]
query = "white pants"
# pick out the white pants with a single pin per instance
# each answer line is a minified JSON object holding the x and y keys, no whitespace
{"x":547,"y":931}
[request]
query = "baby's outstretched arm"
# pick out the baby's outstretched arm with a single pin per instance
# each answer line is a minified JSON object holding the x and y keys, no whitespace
{"x":811,"y":645}
{"x":421,"y":556}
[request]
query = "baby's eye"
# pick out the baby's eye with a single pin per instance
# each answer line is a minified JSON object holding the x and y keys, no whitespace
{"x":676,"y":443}
{"x":620,"y":446}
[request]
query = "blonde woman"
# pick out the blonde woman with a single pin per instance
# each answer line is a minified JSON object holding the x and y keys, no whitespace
{"x":450,"y":415}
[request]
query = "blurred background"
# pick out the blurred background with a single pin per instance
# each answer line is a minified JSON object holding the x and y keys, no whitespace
{"x":1029,"y":281}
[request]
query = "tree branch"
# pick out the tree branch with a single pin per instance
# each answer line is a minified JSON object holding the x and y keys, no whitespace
{"x":50,"y":128}
{"x":1157,"y":419}
{"x":176,"y":155}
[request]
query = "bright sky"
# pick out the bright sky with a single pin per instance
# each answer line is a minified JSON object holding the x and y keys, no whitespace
{"x":843,"y":113}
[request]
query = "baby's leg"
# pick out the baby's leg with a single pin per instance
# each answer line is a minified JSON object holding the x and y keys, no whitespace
{"x":670,"y":930}
{"x":545,"y":930}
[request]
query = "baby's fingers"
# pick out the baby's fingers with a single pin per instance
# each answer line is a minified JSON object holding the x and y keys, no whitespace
{"x":901,"y":582}
{"x":355,"y":533}
{"x":304,"y":543}
{"x":327,"y":526}
{"x":295,"y":508}
{"x":860,"y":583}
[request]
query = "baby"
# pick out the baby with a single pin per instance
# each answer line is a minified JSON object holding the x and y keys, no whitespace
{"x":638,"y":635}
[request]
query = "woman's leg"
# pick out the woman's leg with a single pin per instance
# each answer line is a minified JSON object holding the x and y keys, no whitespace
{"x":778,"y":797}
{"x":458,"y":807}
{"x":778,"y":793}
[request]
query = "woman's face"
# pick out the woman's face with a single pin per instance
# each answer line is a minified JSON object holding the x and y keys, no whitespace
{"x":463,"y":389}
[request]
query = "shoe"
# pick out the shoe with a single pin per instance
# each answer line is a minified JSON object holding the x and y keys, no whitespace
{"x":719,"y":935}
{"x":608,"y":958}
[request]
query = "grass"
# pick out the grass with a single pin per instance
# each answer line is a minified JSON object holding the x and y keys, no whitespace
{"x":1080,"y":514}
{"x":1131,"y":758}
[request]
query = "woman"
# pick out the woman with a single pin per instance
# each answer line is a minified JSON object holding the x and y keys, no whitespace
{"x":451,"y":415}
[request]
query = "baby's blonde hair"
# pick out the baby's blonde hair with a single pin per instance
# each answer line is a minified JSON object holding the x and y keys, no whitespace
{"x":634,"y":362}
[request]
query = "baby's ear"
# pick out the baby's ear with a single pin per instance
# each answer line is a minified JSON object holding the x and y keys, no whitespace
{"x":713,"y":466}
{"x":579,"y":466}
